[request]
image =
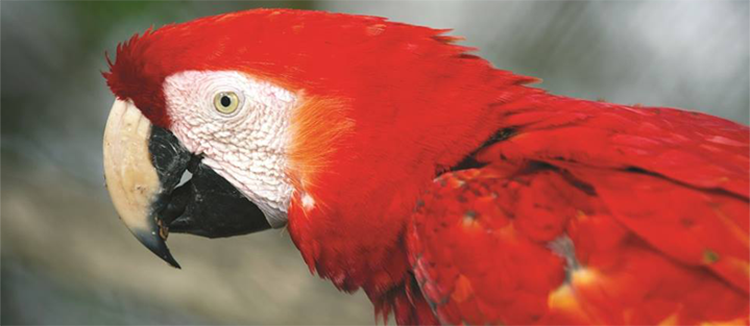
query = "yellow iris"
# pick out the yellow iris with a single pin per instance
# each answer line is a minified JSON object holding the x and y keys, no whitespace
{"x":226,"y":102}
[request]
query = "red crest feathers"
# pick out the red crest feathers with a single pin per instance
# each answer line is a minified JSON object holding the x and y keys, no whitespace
{"x":133,"y":77}
{"x":323,"y":53}
{"x":264,"y":42}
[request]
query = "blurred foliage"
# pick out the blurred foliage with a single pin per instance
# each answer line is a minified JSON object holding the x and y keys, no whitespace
{"x":96,"y":17}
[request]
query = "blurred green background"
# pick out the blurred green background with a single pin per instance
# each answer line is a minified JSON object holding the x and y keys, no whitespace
{"x":66,"y":258}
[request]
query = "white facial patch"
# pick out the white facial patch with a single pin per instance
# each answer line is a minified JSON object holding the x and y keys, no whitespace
{"x":247,"y":146}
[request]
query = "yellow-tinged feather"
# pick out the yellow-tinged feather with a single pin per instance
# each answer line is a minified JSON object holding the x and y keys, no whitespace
{"x":563,"y":299}
{"x":671,"y":320}
{"x":583,"y":277}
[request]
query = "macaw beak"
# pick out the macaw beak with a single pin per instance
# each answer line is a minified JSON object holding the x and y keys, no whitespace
{"x":143,"y":165}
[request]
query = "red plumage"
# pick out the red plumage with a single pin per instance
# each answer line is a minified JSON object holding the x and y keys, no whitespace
{"x":655,"y":200}
{"x":657,"y":243}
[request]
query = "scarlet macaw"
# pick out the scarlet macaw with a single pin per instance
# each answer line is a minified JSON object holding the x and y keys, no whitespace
{"x":449,"y":191}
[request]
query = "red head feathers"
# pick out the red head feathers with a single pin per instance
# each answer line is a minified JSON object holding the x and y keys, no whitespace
{"x":316,"y":51}
{"x":411,"y":103}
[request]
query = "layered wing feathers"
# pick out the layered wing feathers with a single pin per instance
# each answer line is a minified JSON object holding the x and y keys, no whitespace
{"x":653,"y":203}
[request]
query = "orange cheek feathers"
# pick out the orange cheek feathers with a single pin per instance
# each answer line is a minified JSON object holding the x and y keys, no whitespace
{"x":318,"y":126}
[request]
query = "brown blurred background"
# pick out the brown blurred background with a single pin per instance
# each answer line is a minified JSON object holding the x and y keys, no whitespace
{"x":67,"y":259}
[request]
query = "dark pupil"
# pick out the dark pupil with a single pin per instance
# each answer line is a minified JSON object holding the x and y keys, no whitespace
{"x":225,"y":101}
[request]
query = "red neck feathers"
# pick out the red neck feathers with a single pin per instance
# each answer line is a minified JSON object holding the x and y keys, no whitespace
{"x":385,"y":107}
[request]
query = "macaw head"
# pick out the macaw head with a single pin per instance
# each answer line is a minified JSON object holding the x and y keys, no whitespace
{"x":331,"y":124}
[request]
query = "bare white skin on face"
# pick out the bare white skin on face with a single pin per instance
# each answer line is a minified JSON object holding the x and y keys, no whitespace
{"x":246,"y":146}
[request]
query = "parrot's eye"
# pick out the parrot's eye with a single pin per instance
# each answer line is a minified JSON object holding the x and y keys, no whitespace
{"x":226,"y":102}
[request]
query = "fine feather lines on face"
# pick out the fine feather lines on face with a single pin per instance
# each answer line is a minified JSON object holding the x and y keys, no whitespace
{"x":318,"y":128}
{"x":240,"y":125}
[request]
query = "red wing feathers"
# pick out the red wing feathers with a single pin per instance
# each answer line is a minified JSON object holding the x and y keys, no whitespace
{"x":653,"y":201}
{"x":688,"y":147}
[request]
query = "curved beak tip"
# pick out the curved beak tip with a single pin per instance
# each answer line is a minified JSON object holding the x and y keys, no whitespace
{"x":152,"y":241}
{"x":131,"y":178}
{"x":143,"y":165}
